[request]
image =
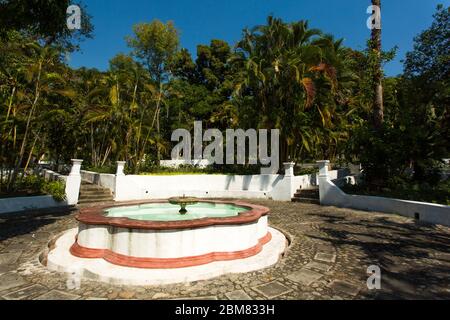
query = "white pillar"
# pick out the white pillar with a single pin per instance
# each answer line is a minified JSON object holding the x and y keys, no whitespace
{"x":323,"y":167}
{"x":286,"y":188}
{"x":73,"y":183}
{"x":76,"y":167}
{"x":289,"y":169}
{"x":323,"y":177}
{"x":120,"y":182}
{"x":120,"y":168}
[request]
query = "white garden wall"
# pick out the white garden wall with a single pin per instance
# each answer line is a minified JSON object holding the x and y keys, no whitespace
{"x":105,"y":180}
{"x":132,"y":187}
{"x":50,"y":175}
{"x":331,"y":195}
{"x":272,"y":186}
{"x":142,"y":187}
{"x":72,"y":181}
{"x":305,"y":181}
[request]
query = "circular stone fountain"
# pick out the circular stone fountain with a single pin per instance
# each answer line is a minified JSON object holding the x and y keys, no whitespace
{"x":157,"y":243}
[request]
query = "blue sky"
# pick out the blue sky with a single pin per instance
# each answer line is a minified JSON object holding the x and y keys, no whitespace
{"x":199,"y":21}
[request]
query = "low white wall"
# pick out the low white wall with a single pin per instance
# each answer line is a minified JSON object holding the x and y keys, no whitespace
{"x":72,"y":189}
{"x":104,"y":180}
{"x":133,"y":187}
{"x":10,"y":205}
{"x":312,"y":180}
{"x":304,"y":182}
{"x":352,"y":180}
{"x":72,"y":181}
{"x":271,"y":186}
{"x":331,"y":195}
{"x":50,"y":175}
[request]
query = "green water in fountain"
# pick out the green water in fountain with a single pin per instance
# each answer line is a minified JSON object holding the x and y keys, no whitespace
{"x":170,"y":212}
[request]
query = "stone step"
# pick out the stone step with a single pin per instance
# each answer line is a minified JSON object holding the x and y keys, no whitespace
{"x":92,"y":187}
{"x":309,"y":191}
{"x":306,"y":200}
{"x":310,"y":195}
{"x":86,"y":183}
{"x":93,"y":192}
{"x":306,"y":196}
{"x":95,"y":196}
{"x":94,"y":201}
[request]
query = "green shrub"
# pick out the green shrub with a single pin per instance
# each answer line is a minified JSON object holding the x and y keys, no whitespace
{"x":299,"y":171}
{"x":32,"y":183}
{"x":57,"y":189}
{"x":105,"y":169}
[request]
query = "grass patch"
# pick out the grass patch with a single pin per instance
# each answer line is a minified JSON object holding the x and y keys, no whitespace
{"x":174,"y":173}
{"x":104,"y":169}
{"x":194,"y":170}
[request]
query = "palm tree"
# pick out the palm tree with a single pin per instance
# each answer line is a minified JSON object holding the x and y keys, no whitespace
{"x":42,"y":73}
{"x":378,"y":107}
{"x":285,"y":67}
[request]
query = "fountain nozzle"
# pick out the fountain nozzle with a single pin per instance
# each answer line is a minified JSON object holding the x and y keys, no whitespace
{"x":183,"y":202}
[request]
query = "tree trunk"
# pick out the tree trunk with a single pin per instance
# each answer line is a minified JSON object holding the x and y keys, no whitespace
{"x":27,"y":129}
{"x":378,"y":107}
{"x":158,"y":125}
{"x":31,"y":153}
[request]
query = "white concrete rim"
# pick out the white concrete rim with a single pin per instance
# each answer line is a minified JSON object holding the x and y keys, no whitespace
{"x":59,"y":259}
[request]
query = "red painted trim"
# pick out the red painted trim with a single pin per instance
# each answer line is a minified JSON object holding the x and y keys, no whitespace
{"x":96,"y":216}
{"x":168,"y":263}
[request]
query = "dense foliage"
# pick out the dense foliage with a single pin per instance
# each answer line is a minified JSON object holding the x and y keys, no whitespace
{"x":289,"y":76}
{"x":44,"y":21}
{"x":415,"y":136}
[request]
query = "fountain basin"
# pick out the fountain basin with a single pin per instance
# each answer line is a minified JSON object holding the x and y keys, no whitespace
{"x":135,"y":240}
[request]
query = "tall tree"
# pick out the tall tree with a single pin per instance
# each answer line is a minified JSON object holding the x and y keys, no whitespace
{"x":205,"y":87}
{"x":430,"y":58}
{"x":155,"y":44}
{"x":289,"y":76}
{"x":425,"y":95}
{"x":378,"y":107}
{"x":31,"y":78}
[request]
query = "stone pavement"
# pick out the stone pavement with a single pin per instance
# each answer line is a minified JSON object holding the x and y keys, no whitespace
{"x":329,"y":253}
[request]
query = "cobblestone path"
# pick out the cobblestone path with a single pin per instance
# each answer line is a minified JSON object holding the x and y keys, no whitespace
{"x":329,"y":253}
